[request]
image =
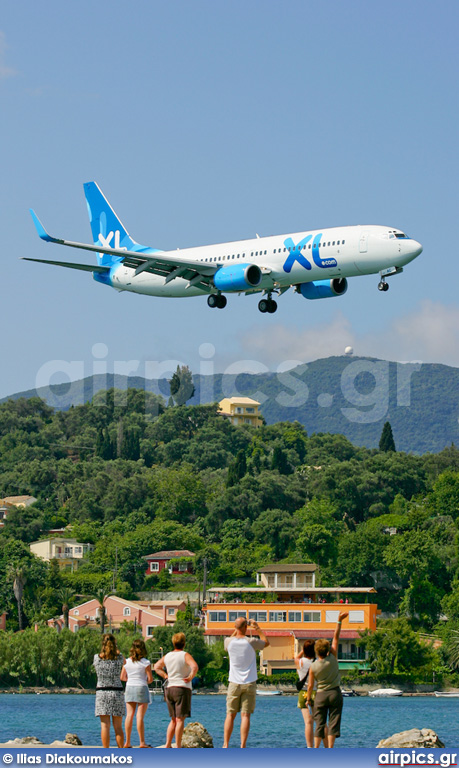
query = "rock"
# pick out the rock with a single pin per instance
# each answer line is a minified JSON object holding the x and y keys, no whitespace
{"x":72,"y":738}
{"x":425,"y":737}
{"x":30,"y":740}
{"x":195,"y":736}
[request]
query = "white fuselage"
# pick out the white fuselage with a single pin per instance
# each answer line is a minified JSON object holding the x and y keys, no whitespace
{"x":342,"y":252}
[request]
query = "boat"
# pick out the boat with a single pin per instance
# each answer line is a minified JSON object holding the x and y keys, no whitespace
{"x":447,"y":694}
{"x":347,"y":693}
{"x":260,"y":692}
{"x":385,"y":692}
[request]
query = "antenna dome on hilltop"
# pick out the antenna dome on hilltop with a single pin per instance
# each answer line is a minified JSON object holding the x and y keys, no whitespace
{"x":349,"y":351}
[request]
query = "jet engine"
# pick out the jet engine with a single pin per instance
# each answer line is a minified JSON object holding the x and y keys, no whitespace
{"x":237,"y":277}
{"x":324,"y":289}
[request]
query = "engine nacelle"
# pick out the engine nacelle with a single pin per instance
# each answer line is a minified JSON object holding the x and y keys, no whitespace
{"x":324,"y":289}
{"x":237,"y":277}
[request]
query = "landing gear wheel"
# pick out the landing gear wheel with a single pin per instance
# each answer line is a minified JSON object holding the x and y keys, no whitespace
{"x":383,"y":286}
{"x":272,"y":307}
{"x":221,"y":302}
{"x":212,"y":300}
{"x":263,"y":305}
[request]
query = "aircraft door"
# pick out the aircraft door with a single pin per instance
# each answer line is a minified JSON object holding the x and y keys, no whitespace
{"x":363,"y":248}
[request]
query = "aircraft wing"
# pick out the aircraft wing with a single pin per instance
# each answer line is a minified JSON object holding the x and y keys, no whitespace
{"x":145,"y":260}
{"x":84,"y":267}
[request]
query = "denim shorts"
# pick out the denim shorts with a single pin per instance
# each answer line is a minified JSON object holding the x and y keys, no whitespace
{"x":137,"y":694}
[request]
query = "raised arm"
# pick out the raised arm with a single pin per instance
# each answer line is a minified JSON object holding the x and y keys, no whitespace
{"x":335,"y":641}
{"x":310,"y":686}
{"x":253,"y":625}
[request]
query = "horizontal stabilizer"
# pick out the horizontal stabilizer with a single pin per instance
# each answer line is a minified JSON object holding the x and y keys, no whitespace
{"x":83,"y":267}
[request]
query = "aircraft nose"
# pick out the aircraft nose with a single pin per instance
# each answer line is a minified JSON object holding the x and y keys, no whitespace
{"x":417,"y":248}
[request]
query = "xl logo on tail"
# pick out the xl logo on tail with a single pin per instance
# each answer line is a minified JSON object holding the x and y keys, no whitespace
{"x":106,"y":241}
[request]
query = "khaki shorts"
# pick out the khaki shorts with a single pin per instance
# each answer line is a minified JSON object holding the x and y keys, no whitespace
{"x":241,"y":698}
{"x":303,"y":699}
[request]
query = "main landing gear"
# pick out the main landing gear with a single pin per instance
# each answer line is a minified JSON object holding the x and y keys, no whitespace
{"x":216,"y":300}
{"x":267,"y":305}
{"x":383,"y":286}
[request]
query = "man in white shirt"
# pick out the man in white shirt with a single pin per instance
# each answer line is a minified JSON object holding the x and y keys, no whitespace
{"x":242,"y":676}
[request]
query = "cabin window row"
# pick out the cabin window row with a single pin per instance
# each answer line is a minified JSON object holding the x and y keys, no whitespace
{"x":276,"y":250}
{"x":294,"y":617}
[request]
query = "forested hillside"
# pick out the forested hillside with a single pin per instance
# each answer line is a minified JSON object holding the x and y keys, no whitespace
{"x":350,"y":396}
{"x":132,"y":477}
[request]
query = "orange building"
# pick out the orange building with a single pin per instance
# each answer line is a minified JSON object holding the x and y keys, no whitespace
{"x":297,"y":613}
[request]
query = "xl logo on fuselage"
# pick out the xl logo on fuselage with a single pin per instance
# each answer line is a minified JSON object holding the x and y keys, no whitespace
{"x":296,"y":255}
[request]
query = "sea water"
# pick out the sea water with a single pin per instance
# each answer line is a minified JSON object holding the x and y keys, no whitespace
{"x":277,"y":722}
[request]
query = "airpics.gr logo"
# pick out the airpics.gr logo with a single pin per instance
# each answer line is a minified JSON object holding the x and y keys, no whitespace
{"x":296,"y":255}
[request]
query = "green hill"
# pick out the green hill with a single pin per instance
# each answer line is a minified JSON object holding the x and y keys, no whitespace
{"x":350,"y":396}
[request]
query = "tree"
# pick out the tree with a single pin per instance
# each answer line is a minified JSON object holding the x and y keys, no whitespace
{"x":237,"y":469}
{"x":280,"y":462}
{"x":276,"y":528}
{"x":17,"y":573}
{"x":386,"y":442}
{"x":101,"y":595}
{"x":395,"y":648}
{"x":181,"y":385}
{"x":66,"y":596}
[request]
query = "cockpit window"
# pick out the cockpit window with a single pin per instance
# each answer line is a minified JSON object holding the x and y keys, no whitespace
{"x":400,"y":235}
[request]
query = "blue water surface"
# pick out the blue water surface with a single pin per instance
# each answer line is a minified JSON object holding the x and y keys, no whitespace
{"x":276,"y":722}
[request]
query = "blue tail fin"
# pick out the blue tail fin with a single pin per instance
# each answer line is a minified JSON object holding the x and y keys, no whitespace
{"x":107,"y":229}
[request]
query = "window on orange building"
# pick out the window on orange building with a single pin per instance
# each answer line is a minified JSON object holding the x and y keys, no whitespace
{"x":311,"y":616}
{"x":217,"y":615}
{"x":357,"y":617}
{"x":278,"y":615}
{"x":233,"y":615}
{"x":258,"y":615}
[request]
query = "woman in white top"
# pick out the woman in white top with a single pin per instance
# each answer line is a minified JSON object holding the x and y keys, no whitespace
{"x":178,"y":668}
{"x":136,"y":673}
{"x":303,"y":661}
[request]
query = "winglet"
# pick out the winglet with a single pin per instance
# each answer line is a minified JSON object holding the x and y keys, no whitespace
{"x":40,"y":228}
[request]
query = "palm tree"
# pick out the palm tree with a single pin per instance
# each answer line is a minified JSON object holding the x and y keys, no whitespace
{"x":17,"y":573}
{"x":101,"y":595}
{"x":66,"y":596}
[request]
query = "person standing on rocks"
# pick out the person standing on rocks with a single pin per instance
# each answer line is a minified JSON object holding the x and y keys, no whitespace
{"x":178,"y":668}
{"x":242,"y":677}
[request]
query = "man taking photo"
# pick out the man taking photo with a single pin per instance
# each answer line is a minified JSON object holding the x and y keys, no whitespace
{"x":242,"y":676}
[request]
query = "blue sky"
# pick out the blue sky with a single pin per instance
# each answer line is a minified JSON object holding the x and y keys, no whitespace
{"x":205,"y":121}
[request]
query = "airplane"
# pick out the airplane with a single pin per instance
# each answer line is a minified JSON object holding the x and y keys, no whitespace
{"x":316,"y":263}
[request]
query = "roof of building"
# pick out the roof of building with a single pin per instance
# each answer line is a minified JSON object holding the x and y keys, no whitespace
{"x":18,"y":500}
{"x":300,"y":634}
{"x":60,"y":540}
{"x":168,"y":554}
{"x":240,"y":400}
{"x":288,"y":568}
{"x":293,"y":590}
